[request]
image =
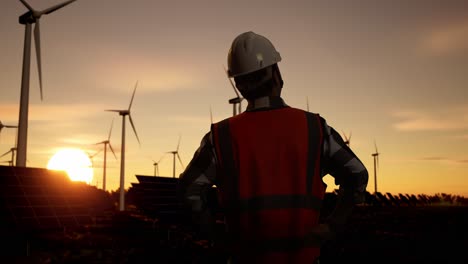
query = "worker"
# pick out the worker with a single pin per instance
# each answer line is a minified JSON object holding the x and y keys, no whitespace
{"x":268,"y":164}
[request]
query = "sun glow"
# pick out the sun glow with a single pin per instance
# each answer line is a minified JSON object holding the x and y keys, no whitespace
{"x":75,"y":162}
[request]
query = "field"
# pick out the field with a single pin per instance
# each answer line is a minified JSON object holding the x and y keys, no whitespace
{"x":375,"y":234}
{"x":69,"y":222}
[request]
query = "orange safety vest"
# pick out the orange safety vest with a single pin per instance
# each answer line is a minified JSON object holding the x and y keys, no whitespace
{"x":270,"y":184}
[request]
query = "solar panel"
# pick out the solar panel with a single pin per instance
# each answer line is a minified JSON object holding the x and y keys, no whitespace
{"x":383,"y":199}
{"x":37,"y":199}
{"x":156,"y":196}
{"x":393,"y":199}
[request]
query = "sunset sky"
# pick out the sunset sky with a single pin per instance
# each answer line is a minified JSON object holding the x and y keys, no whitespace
{"x":391,"y":71}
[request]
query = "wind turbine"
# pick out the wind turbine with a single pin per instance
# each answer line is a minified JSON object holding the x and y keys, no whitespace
{"x":175,"y":153}
{"x":27,"y":19}
{"x":376,"y":164}
{"x":347,"y":140}
{"x":155,"y":164}
{"x":12,"y":151}
{"x":6,"y":126}
{"x":124,"y":113}
{"x":106,"y":142}
{"x":236,"y":100}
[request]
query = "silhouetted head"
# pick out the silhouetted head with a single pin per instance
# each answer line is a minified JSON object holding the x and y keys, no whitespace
{"x":253,"y":63}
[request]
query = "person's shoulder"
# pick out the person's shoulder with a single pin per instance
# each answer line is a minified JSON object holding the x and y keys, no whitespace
{"x":220,"y":122}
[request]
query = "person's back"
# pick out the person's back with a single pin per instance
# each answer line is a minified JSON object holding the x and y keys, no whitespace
{"x":268,"y":164}
{"x":271,"y":184}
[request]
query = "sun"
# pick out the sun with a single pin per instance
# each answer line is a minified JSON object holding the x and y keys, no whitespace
{"x":75,"y":162}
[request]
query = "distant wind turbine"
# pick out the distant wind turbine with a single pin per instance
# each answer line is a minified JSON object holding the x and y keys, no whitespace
{"x":6,"y":126}
{"x":125,"y":113}
{"x":12,"y":151}
{"x":156,"y":164}
{"x":175,"y":153}
{"x":91,"y":156}
{"x":236,"y":100}
{"x":376,"y":164}
{"x":27,"y":19}
{"x":347,"y":140}
{"x":106,"y":142}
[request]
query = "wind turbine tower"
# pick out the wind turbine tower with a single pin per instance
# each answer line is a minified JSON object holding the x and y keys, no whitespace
{"x":124,"y":113}
{"x":27,"y":19}
{"x":174,"y":154}
{"x":376,"y":164}
{"x":236,"y":101}
{"x":106,"y":143}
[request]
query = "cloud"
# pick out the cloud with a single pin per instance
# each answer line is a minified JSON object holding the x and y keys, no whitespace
{"x":49,"y":112}
{"x":443,"y":159}
{"x":449,"y":39}
{"x":152,"y":73}
{"x":449,"y":119}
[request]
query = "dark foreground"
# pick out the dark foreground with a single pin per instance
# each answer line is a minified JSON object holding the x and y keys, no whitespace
{"x":422,"y":234}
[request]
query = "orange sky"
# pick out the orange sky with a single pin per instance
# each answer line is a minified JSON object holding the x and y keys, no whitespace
{"x":393,"y":72}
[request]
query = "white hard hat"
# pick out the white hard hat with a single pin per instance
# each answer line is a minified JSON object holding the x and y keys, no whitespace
{"x":250,"y":52}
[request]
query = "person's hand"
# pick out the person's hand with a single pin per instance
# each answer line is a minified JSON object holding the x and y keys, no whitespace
{"x":323,"y":232}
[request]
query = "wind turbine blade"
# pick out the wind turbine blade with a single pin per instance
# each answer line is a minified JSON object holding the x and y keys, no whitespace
{"x":58,"y":6}
{"x":37,"y":40}
{"x":180,"y":160}
{"x":110,"y":146}
{"x":211,"y":115}
{"x":92,"y":155}
{"x":6,"y":153}
{"x":344,"y":135}
{"x":232,"y":84}
{"x":110,"y":131}
{"x":375,"y":144}
{"x":133,"y":126}
{"x":27,"y":5}
{"x":178,"y":143}
{"x":161,"y":158}
{"x":350,"y":133}
{"x":133,"y":95}
{"x":307,"y":103}
{"x":113,"y":110}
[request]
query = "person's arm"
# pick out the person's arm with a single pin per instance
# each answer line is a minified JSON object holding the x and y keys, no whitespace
{"x":195,"y":182}
{"x":349,"y":173}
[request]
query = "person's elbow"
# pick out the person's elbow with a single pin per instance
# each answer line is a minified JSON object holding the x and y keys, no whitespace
{"x":361,"y":186}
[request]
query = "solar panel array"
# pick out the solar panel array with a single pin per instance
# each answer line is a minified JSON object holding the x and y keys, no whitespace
{"x":33,"y":199}
{"x":156,"y":196}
